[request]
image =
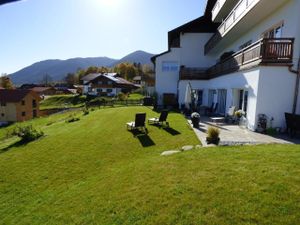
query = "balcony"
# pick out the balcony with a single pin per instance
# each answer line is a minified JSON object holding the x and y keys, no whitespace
{"x":193,"y":73}
{"x":222,"y":8}
{"x":275,"y":51}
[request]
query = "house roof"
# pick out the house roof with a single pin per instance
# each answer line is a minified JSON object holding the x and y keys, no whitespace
{"x":41,"y":89}
{"x":7,"y":1}
{"x":93,"y":76}
{"x":137,"y":78}
{"x":15,"y":95}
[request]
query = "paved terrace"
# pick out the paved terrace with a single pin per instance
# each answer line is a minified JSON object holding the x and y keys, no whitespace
{"x":236,"y":135}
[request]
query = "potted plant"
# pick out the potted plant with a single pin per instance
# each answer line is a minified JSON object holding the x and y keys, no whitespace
{"x":195,"y":119}
{"x":239,"y":113}
{"x":213,"y":135}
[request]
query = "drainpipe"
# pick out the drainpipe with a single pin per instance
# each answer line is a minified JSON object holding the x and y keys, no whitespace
{"x":296,"y":93}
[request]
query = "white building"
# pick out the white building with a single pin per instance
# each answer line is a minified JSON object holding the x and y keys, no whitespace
{"x":257,"y":73}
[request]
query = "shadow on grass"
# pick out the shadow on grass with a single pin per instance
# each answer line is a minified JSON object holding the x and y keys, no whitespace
{"x":13,"y":145}
{"x":144,"y":138}
{"x":170,"y":130}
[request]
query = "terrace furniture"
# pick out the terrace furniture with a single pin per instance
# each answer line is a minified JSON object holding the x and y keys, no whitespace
{"x":230,"y":116}
{"x":139,"y":123}
{"x":217,"y":120}
{"x":292,"y":123}
{"x":161,"y":120}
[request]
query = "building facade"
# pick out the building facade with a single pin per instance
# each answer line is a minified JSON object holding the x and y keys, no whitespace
{"x":249,"y":60}
{"x":18,"y":105}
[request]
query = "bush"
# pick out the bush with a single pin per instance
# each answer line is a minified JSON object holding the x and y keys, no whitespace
{"x":72,"y":118}
{"x":85,"y":111}
{"x":122,"y":96}
{"x":28,"y":133}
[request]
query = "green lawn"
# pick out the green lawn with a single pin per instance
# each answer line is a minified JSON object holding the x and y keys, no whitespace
{"x":95,"y":172}
{"x":63,"y":101}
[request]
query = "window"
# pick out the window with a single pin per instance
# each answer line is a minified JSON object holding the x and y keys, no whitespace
{"x":99,"y":90}
{"x":100,"y":82}
{"x":3,"y":104}
{"x":243,"y":100}
{"x":170,"y":67}
{"x":34,"y":103}
{"x":109,"y":82}
{"x":90,"y":89}
{"x":274,"y":32}
{"x":23,"y":102}
{"x":109,"y":90}
{"x":23,"y":114}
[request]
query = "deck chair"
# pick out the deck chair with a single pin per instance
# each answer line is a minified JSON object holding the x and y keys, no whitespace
{"x":139,"y":123}
{"x":161,"y":120}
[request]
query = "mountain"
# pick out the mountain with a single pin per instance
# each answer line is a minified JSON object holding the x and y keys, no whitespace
{"x":136,"y":57}
{"x":58,"y":69}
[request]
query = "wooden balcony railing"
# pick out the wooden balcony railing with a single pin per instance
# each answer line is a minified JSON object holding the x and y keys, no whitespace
{"x":277,"y":51}
{"x":193,"y":74}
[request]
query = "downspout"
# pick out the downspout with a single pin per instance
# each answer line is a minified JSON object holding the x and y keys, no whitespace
{"x":296,"y":93}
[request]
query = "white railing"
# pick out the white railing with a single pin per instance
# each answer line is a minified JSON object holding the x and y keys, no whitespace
{"x":219,"y":4}
{"x":238,"y":11}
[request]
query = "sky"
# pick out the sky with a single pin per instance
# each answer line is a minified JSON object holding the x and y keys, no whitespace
{"x":36,"y":30}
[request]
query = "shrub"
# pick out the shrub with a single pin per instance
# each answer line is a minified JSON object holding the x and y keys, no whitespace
{"x":85,"y":111}
{"x":213,"y":132}
{"x":213,"y":135}
{"x":27,"y":133}
{"x":72,"y":118}
{"x":122,"y":96}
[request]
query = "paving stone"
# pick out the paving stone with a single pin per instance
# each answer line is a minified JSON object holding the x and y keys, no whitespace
{"x":187,"y":148}
{"x":171,"y":152}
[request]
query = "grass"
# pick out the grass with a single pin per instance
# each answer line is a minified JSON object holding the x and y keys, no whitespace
{"x":95,"y":172}
{"x":63,"y":101}
{"x":135,"y":96}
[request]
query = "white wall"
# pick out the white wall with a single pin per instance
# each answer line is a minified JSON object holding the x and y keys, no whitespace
{"x":166,"y":82}
{"x":190,"y":54}
{"x":192,"y":50}
{"x":276,"y":93}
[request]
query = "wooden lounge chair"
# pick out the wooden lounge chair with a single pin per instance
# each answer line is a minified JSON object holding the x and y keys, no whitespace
{"x":161,"y":120}
{"x":139,"y":123}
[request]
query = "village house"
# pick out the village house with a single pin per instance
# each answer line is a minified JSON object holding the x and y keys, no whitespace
{"x":18,"y":105}
{"x":106,"y":84}
{"x":239,"y":53}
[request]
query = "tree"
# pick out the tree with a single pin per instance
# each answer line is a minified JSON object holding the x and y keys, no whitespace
{"x":71,"y":79}
{"x":47,"y":80}
{"x":5,"y":82}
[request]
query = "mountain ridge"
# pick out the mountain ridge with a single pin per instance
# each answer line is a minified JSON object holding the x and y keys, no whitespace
{"x":58,"y":68}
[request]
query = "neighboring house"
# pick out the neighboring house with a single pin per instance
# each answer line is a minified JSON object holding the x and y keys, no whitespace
{"x":138,"y":80}
{"x":44,"y":91}
{"x":106,"y":84}
{"x":18,"y":105}
{"x":247,"y":59}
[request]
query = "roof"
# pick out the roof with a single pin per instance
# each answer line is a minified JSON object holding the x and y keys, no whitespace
{"x":209,"y":7}
{"x":14,"y":95}
{"x":7,"y":1}
{"x":40,"y":89}
{"x":91,"y":76}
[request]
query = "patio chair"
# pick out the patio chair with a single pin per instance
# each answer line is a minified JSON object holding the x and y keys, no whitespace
{"x":161,"y":120}
{"x":139,"y":123}
{"x":230,"y":116}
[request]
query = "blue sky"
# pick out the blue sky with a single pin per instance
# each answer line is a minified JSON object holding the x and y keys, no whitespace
{"x":35,"y":30}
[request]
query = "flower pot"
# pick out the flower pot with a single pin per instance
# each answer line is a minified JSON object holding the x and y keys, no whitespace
{"x":212,"y":140}
{"x":196,"y":122}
